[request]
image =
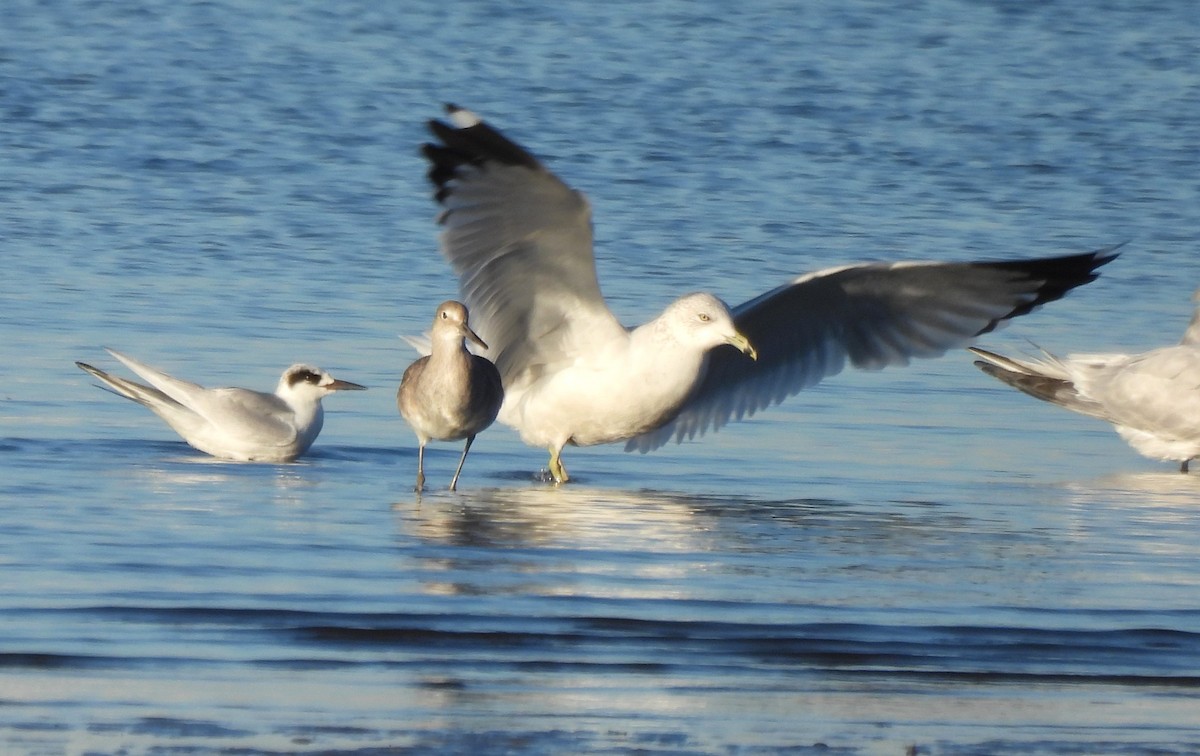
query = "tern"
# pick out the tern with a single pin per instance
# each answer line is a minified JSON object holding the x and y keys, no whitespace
{"x":520,"y":241}
{"x":1152,"y":399}
{"x":233,"y":423}
{"x":450,"y":394}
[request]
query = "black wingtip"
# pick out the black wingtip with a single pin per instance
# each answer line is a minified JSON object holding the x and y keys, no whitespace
{"x":1058,"y":275}
{"x":469,"y":143}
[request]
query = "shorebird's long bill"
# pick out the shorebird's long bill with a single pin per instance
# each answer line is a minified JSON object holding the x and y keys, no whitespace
{"x":340,"y":385}
{"x":473,"y":337}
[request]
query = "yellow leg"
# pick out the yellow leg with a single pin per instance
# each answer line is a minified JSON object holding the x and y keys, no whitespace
{"x":557,"y":470}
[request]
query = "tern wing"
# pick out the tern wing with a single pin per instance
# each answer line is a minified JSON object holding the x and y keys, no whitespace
{"x":257,"y":418}
{"x":253,"y":417}
{"x":144,"y":395}
{"x":180,"y":391}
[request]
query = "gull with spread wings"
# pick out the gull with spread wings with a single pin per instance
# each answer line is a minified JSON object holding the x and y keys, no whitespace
{"x":520,"y":241}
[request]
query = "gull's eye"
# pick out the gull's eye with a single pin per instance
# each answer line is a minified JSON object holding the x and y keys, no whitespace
{"x":445,"y":315}
{"x":704,"y":318}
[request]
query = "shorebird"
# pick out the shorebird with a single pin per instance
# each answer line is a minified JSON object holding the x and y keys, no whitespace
{"x":449,"y":394}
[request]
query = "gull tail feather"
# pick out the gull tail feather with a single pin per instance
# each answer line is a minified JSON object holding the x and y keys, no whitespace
{"x":1047,"y":381}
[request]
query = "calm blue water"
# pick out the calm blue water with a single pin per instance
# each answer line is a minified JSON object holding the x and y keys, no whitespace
{"x":916,"y":559}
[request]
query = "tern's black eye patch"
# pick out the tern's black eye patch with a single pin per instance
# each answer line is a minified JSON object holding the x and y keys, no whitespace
{"x":304,"y":376}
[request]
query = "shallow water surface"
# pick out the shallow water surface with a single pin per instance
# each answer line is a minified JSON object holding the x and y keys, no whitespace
{"x":918,"y":560}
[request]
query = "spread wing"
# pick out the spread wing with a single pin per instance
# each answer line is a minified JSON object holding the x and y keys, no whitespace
{"x":872,"y":316}
{"x":520,"y":241}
